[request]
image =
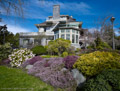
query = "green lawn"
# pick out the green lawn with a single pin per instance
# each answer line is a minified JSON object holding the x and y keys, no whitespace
{"x":12,"y":79}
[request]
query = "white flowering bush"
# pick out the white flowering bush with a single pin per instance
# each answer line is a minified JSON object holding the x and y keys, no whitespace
{"x":18,"y":56}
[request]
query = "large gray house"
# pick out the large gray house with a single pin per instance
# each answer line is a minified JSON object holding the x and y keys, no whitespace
{"x":56,"y":26}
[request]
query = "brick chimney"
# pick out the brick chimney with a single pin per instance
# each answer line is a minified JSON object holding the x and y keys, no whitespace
{"x":56,"y":11}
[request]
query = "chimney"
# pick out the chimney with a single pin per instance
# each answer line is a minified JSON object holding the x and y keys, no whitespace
{"x":56,"y":11}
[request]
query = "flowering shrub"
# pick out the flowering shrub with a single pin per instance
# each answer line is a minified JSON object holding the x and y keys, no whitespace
{"x":93,"y":63}
{"x":31,"y":61}
{"x":69,"y":61}
{"x":18,"y":56}
{"x":52,"y":73}
{"x":35,"y":59}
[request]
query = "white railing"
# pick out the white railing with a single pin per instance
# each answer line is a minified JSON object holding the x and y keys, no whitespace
{"x":35,"y":33}
{"x":60,"y":19}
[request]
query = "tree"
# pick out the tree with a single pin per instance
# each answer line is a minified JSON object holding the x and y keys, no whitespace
{"x":99,"y":44}
{"x":105,"y":31}
{"x":15,"y":42}
{"x":7,"y":36}
{"x":58,"y":46}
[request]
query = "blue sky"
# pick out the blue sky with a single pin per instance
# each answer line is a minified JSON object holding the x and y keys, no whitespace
{"x":87,"y":11}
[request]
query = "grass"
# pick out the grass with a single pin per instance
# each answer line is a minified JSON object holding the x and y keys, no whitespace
{"x":12,"y":79}
{"x":48,"y":56}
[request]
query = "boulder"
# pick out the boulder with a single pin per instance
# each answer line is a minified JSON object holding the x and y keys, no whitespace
{"x":80,"y":79}
{"x":29,"y":67}
{"x":63,"y":69}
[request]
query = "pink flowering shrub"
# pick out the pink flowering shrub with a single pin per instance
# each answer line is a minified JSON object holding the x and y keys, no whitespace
{"x":53,"y":73}
{"x":69,"y":61}
{"x":31,"y":61}
{"x":35,"y":59}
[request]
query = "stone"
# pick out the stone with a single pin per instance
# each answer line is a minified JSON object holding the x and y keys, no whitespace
{"x":29,"y":67}
{"x":63,"y":69}
{"x":80,"y":79}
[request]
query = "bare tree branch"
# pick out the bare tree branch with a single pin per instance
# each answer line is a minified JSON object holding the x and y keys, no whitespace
{"x":12,"y":6}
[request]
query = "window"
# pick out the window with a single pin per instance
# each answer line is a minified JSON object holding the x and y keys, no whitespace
{"x":76,"y":38}
{"x":56,"y":32}
{"x":25,"y":41}
{"x":73,"y":38}
{"x":57,"y":36}
{"x":62,"y":31}
{"x":73,"y":31}
{"x":67,"y":31}
{"x":62,"y":36}
{"x":67,"y":36}
{"x":77,"y":32}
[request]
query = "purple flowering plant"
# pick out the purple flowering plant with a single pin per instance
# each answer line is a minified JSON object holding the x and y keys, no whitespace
{"x":69,"y":61}
{"x":31,"y":61}
{"x":52,"y":73}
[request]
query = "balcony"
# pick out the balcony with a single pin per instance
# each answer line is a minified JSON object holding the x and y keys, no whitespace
{"x":36,"y":33}
{"x":60,"y":19}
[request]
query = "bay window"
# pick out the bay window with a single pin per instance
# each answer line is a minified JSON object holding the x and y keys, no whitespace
{"x":63,"y":36}
{"x":67,"y":36}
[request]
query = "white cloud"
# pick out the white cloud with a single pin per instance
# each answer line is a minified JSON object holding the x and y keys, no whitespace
{"x":93,"y":29}
{"x":15,"y":28}
{"x":117,"y":31}
{"x":41,"y":9}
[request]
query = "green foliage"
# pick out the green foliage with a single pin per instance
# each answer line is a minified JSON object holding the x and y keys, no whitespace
{"x":58,"y":46}
{"x":93,"y":63}
{"x":96,"y":85}
{"x":99,"y":44}
{"x":65,"y":54}
{"x":39,"y":50}
{"x":71,"y":50}
{"x":48,"y":56}
{"x":16,"y":78}
{"x":78,"y":50}
{"x":5,"y":50}
{"x":108,"y":80}
{"x":10,"y":37}
{"x":15,"y":42}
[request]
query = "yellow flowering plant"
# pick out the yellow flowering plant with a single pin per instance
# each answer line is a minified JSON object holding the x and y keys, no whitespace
{"x":93,"y":63}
